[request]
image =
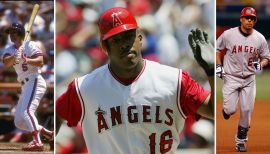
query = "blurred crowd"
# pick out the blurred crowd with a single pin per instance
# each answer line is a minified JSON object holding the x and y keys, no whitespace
{"x":165,"y":25}
{"x":43,"y":33}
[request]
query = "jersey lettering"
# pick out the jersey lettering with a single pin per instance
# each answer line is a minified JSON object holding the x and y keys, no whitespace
{"x":102,"y":124}
{"x":157,"y":115}
{"x":116,"y":116}
{"x":168,"y":113}
{"x":146,"y":113}
{"x":239,"y":49}
{"x":132,"y":117}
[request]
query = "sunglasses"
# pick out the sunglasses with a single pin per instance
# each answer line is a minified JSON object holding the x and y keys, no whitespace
{"x":250,"y":17}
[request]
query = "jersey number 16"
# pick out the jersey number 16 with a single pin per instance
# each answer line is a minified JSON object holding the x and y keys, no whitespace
{"x":165,"y":144}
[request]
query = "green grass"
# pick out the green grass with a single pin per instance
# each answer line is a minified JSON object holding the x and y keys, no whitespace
{"x":263,"y":87}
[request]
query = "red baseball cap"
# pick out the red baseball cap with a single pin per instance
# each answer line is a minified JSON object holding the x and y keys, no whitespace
{"x":114,"y":21}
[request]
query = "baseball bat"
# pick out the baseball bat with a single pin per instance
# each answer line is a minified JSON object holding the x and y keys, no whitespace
{"x":31,"y":21}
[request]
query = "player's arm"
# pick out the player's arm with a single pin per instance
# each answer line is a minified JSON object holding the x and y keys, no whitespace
{"x":203,"y":52}
{"x":264,"y":62}
{"x":68,"y":107}
{"x":35,"y":61}
{"x":264,"y":54}
{"x":207,"y":108}
{"x":194,"y":99}
{"x":218,"y":58}
{"x":35,"y":54}
{"x":9,"y":60}
{"x":59,"y":122}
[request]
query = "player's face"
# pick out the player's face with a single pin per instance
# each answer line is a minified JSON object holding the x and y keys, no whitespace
{"x":125,"y":49}
{"x":248,"y":22}
{"x":14,"y":37}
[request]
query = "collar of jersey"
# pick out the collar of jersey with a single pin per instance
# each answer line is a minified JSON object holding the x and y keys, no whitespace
{"x":127,"y":82}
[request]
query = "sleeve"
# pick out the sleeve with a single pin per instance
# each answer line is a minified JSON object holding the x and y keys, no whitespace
{"x":192,"y":95}
{"x":8,"y":52}
{"x":34,"y":50}
{"x":221,"y":42}
{"x":264,"y":52}
{"x":68,"y":106}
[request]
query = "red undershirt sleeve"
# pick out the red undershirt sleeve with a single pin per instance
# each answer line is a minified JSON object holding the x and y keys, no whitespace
{"x":68,"y":106}
{"x":192,"y":95}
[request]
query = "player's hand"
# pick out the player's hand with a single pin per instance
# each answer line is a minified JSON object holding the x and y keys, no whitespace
{"x":18,"y":56}
{"x":257,"y":65}
{"x":202,"y":49}
{"x":220,"y":71}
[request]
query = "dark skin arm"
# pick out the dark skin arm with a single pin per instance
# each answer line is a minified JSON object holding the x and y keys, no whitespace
{"x":204,"y":54}
{"x":59,"y":122}
{"x":207,"y":109}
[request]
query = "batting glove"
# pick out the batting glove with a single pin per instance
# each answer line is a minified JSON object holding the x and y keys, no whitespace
{"x":203,"y":51}
{"x":18,"y":56}
{"x":220,"y":71}
{"x":257,"y":65}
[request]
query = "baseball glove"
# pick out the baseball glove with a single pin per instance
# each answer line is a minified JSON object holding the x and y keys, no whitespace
{"x":202,"y":49}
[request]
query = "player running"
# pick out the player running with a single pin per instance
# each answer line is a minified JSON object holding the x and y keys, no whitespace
{"x":246,"y":51}
{"x":133,"y":105}
{"x":27,"y":59}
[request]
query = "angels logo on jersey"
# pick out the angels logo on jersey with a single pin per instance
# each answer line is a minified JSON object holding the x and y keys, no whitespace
{"x":135,"y":114}
{"x":116,"y":20}
{"x":241,"y":48}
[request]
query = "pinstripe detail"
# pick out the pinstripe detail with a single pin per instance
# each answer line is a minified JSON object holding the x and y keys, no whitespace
{"x":81,"y":100}
{"x":29,"y":104}
{"x":178,"y":95}
{"x":36,"y":55}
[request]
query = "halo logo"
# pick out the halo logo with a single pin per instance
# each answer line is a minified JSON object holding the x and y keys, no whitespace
{"x":249,"y":11}
{"x":116,"y":20}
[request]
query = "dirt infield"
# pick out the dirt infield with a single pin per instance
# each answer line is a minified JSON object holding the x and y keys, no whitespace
{"x":16,"y":148}
{"x":258,"y":135}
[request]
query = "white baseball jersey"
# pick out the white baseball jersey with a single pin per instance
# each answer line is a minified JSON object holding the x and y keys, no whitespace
{"x":241,"y":51}
{"x":144,"y":116}
{"x":30,"y":50}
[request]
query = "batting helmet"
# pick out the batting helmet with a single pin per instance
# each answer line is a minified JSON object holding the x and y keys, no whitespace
{"x":114,"y":21}
{"x":248,"y":11}
{"x":19,"y":28}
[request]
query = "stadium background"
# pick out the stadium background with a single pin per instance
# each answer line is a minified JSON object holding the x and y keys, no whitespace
{"x":166,"y":25}
{"x":227,"y":16}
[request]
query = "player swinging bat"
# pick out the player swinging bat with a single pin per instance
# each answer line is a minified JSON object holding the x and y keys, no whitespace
{"x":19,"y":53}
{"x":27,"y":59}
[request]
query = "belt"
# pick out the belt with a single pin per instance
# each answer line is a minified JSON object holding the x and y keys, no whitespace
{"x":24,"y":81}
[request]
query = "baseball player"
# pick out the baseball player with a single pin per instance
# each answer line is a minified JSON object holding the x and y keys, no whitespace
{"x":27,"y":59}
{"x":246,"y":52}
{"x":133,"y":105}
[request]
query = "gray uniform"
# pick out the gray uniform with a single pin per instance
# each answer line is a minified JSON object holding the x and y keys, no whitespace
{"x":239,"y":82}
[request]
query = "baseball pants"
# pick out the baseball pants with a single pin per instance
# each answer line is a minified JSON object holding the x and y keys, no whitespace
{"x":32,"y":91}
{"x":243,"y":90}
